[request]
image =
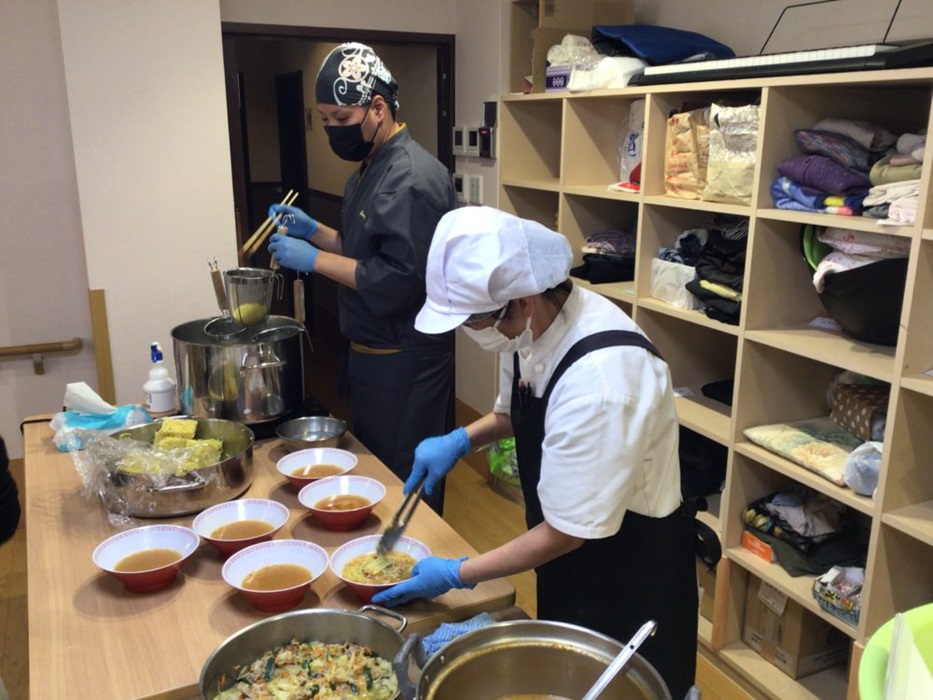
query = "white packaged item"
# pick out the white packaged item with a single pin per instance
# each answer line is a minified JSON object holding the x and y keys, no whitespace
{"x":668,"y":280}
{"x":631,"y":146}
{"x":608,"y":72}
{"x":733,"y":144}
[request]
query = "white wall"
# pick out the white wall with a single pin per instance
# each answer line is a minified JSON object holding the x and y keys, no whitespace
{"x":43,"y":276}
{"x":145,"y":84}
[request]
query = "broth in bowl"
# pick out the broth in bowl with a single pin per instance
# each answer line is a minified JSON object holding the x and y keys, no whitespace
{"x":147,"y":559}
{"x":242,"y":529}
{"x":317,"y":471}
{"x":343,"y":501}
{"x":276,"y":577}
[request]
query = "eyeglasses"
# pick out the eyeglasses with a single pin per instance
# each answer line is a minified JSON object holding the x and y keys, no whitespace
{"x":485,"y":315}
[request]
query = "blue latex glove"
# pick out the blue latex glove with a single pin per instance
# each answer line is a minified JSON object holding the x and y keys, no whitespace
{"x":298,"y":223}
{"x":435,"y":456}
{"x":291,"y":253}
{"x":430,"y":577}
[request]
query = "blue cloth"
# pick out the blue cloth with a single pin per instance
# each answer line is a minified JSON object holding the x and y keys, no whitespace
{"x":658,"y":45}
{"x":448,"y":631}
{"x":788,"y":194}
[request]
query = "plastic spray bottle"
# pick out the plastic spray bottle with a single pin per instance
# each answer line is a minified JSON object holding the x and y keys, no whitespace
{"x":160,"y":388}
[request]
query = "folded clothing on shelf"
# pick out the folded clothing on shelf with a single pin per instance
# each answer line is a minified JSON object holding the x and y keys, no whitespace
{"x":818,"y":444}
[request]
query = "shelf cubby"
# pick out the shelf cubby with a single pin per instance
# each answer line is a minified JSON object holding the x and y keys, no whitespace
{"x":659,"y":107}
{"x":749,"y":481}
{"x":902,"y":577}
{"x":696,"y":356}
{"x":529,"y":203}
{"x":898,"y":107}
{"x":908,"y":479}
{"x":918,"y":356}
{"x":582,"y":216}
{"x":594,"y":134}
{"x":532,"y":130}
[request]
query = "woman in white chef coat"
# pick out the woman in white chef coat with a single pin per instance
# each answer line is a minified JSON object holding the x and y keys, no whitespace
{"x":591,"y":406}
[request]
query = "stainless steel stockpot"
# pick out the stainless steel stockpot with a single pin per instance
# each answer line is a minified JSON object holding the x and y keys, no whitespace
{"x":249,"y":375}
{"x":524,"y":657}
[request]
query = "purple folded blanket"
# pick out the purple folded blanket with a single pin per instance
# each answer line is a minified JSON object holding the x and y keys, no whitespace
{"x":826,"y":175}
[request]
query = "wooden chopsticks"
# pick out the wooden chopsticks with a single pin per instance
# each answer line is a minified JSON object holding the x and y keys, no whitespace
{"x":259,"y":236}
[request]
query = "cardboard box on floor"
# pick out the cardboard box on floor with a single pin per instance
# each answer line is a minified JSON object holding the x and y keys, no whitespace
{"x":537,"y":25}
{"x":706,"y":582}
{"x":787,"y":635}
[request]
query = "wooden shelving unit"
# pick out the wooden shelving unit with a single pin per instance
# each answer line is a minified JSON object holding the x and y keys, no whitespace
{"x":558,"y":154}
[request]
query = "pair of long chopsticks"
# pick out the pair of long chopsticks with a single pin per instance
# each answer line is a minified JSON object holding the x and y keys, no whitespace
{"x":259,"y":236}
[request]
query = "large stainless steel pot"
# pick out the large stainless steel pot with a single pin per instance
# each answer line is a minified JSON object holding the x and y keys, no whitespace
{"x":529,"y":656}
{"x":322,"y":625}
{"x":139,"y":495}
{"x":250,"y":375}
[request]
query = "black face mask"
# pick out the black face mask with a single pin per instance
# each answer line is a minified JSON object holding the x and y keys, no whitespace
{"x":347,"y":142}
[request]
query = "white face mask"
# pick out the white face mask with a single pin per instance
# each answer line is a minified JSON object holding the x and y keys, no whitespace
{"x":494,"y":341}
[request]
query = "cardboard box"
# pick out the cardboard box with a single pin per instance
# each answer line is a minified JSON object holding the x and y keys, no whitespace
{"x":706,"y":581}
{"x":537,"y":25}
{"x":787,"y":635}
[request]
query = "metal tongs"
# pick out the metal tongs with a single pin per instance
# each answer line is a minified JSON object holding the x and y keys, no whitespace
{"x":400,"y":520}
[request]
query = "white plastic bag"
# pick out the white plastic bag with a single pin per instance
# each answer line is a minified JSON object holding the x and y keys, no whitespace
{"x":631,"y":146}
{"x":862,"y":468}
{"x":668,"y":280}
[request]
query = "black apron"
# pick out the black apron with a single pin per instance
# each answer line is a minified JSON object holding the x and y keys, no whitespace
{"x":646,"y":571}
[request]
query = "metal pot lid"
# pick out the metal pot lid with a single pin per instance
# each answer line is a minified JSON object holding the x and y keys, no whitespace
{"x":219,"y":331}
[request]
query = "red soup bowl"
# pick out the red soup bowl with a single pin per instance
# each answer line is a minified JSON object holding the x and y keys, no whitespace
{"x":362,"y":546}
{"x":306,"y":466}
{"x":274,"y":575}
{"x":146,"y":559}
{"x":235,"y":525}
{"x":342,"y":503}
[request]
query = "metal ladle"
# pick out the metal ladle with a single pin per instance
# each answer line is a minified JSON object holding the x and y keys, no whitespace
{"x":618,"y":663}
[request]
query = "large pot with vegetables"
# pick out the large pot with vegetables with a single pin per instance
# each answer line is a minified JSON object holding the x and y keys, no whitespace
{"x":246,"y":374}
{"x":532,"y":660}
{"x":343,"y":652}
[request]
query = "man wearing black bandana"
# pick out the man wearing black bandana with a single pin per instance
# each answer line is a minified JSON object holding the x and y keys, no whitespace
{"x":399,"y":380}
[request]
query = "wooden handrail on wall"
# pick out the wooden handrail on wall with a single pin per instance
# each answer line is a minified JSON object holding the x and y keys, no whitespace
{"x":37,"y":350}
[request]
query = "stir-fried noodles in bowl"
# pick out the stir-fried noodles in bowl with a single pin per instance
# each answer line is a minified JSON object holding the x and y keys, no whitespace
{"x":359,"y":567}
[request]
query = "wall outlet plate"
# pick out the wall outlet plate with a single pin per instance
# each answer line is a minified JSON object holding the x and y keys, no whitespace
{"x":459,"y":141}
{"x":476,"y":189}
{"x":462,"y":187}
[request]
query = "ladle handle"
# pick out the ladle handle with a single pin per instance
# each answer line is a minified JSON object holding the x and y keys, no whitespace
{"x":619,"y":662}
{"x":220,"y":293}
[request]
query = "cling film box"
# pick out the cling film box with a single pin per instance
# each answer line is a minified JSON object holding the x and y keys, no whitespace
{"x":787,"y":635}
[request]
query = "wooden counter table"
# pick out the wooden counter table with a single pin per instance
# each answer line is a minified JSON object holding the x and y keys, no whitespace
{"x":90,"y":637}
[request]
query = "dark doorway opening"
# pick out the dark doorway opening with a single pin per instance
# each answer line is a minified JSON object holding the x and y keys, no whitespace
{"x":277,"y":144}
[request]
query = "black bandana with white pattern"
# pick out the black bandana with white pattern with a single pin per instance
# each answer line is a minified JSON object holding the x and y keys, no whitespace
{"x":351,"y":74}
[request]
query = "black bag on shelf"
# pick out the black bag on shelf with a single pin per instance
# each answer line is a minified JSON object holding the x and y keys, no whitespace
{"x":866,"y":301}
{"x":702,"y":464}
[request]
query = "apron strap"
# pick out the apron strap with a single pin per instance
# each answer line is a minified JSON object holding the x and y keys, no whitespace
{"x":597,"y":341}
